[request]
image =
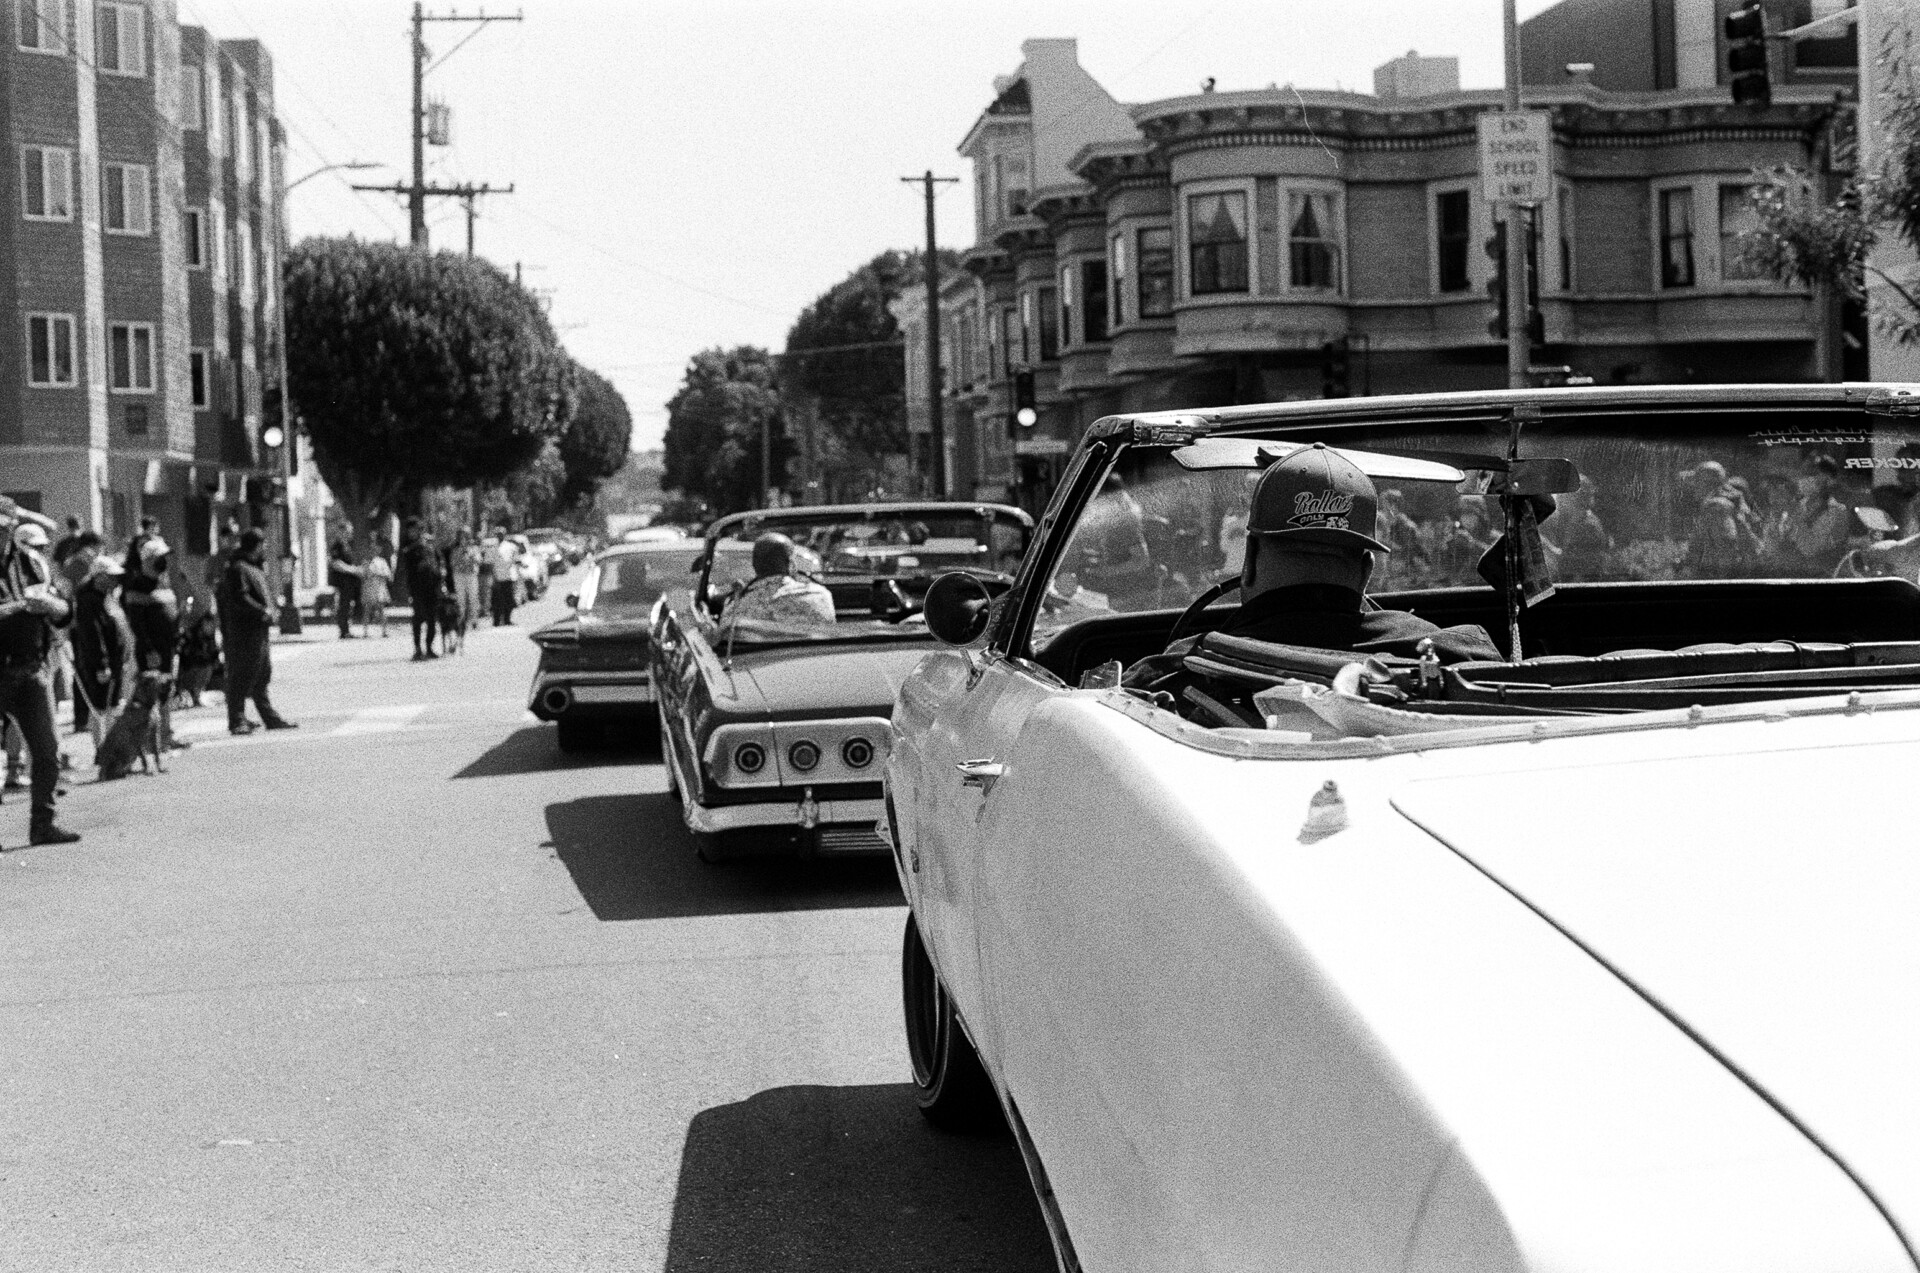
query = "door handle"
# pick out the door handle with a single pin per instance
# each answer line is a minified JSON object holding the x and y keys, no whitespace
{"x":980,"y":773}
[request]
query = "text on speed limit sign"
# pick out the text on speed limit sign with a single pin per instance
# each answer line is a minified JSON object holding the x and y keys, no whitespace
{"x":1516,"y":156}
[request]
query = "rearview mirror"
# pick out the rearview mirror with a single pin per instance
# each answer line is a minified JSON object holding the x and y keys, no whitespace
{"x":699,"y":564}
{"x":957,"y":608}
{"x":1542,"y":477}
{"x":573,"y":601}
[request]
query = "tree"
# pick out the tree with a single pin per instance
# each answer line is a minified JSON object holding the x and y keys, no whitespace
{"x":413,"y":369}
{"x":597,"y":439}
{"x":715,"y":424}
{"x":853,"y":390}
{"x":1809,"y":239}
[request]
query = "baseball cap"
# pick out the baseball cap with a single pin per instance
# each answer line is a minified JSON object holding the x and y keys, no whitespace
{"x":1706,"y":468}
{"x":1316,"y":495}
{"x":31,"y":535}
{"x":152,"y":548}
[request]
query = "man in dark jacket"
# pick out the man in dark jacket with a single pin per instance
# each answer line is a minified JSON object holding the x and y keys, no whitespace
{"x":100,"y":649}
{"x":247,"y":611}
{"x":344,"y":577}
{"x":1310,"y":546}
{"x":420,"y":565}
{"x":30,"y":609}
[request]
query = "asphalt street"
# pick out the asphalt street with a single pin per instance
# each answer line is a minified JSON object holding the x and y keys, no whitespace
{"x":407,"y":989}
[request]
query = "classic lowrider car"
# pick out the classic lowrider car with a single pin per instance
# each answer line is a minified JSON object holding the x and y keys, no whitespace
{"x":774,"y":734}
{"x":593,"y":662}
{"x":1598,"y":955}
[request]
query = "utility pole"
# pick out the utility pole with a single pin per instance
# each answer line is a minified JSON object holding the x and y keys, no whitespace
{"x":936,"y":425}
{"x":418,"y":191}
{"x":1519,"y":234}
{"x":469,"y":202}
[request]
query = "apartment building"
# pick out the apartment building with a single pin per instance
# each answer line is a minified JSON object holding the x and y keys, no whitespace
{"x":140,"y":255}
{"x":1206,"y":250}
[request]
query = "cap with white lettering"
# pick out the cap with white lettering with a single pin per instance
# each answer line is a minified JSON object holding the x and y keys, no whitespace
{"x":1316,"y":495}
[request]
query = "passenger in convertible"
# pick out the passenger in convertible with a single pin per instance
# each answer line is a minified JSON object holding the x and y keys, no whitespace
{"x":1310,"y":547}
{"x":776,"y":594}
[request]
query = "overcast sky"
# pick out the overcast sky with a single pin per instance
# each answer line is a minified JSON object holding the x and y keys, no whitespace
{"x":693,"y":174}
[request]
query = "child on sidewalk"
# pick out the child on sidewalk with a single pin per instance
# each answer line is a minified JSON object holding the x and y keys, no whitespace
{"x":374,"y":591}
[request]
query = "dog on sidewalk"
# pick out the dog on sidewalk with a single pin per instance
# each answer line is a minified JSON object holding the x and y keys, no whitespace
{"x":135,"y":735}
{"x":453,"y":624}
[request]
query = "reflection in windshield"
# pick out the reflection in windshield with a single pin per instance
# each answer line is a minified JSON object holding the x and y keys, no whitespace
{"x":1661,"y":497}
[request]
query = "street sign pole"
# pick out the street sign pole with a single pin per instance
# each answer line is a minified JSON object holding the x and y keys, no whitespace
{"x":1519,"y":319}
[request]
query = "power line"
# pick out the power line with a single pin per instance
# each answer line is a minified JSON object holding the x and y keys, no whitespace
{"x":611,"y":255}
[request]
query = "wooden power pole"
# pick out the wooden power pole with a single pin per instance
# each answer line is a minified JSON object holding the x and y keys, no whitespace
{"x":936,"y":424}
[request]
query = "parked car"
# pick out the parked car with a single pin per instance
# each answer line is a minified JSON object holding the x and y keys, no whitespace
{"x":652,"y":534}
{"x":774,"y":734}
{"x":593,"y":671}
{"x":1593,"y":954}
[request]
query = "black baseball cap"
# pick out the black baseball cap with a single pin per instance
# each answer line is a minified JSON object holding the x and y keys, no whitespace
{"x":1316,"y":495}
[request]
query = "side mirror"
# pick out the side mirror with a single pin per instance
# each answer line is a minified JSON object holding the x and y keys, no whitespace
{"x":573,"y":601}
{"x":957,"y":608}
{"x":699,"y":564}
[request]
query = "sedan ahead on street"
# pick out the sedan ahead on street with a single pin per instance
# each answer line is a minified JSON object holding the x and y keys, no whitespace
{"x":593,"y":662}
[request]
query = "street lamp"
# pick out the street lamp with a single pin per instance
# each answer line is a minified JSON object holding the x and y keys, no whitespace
{"x":353,"y":164}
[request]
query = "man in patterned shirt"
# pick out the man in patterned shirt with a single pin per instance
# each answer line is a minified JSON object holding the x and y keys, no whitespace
{"x":776,"y":595}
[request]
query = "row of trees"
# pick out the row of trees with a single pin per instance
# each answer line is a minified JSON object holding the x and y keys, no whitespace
{"x":416,"y":371}
{"x":835,"y":399}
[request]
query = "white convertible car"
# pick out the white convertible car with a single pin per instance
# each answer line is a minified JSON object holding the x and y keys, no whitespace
{"x":1599,"y":955}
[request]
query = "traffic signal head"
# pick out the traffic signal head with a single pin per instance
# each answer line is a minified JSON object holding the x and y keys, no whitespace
{"x":1026,"y":406}
{"x":1335,"y":378}
{"x":1497,"y":281}
{"x":1746,"y":32}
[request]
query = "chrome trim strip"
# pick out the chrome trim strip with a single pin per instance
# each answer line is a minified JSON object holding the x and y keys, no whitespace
{"x":782,"y":814}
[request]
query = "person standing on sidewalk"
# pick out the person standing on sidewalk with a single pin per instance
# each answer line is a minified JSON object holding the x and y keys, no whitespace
{"x":246,"y":601}
{"x":505,"y":555}
{"x":420,"y":562}
{"x":463,"y":562}
{"x":101,"y":649}
{"x":30,"y":610}
{"x":343,"y":576}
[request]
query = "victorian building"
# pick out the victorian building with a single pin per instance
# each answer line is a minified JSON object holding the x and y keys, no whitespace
{"x":1275,"y":244}
{"x":141,"y":255}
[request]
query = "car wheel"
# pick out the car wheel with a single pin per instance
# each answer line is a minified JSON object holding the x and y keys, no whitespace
{"x":950,"y":1084}
{"x":573,"y":735}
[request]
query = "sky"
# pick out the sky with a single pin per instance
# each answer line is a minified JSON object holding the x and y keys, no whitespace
{"x":694,"y":174}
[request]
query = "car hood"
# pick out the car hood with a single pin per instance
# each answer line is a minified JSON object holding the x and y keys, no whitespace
{"x":1764,"y":901}
{"x":828,"y":680}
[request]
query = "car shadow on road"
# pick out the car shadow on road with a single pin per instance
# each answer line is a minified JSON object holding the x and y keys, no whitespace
{"x":632,"y":857}
{"x":533,"y":749}
{"x":849,"y":1178}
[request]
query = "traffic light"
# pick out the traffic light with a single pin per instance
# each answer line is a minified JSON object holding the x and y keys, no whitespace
{"x":272,"y":433}
{"x":1026,"y":407}
{"x":1746,"y":32}
{"x":1497,"y":281}
{"x":1536,"y":320}
{"x":1334,"y":379}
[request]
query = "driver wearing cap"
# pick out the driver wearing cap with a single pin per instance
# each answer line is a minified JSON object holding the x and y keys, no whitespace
{"x":1310,"y":551}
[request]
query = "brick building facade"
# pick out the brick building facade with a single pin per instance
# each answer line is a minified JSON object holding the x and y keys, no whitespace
{"x":140,"y":251}
{"x":1205,"y":250}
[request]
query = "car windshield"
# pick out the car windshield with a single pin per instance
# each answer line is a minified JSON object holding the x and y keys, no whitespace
{"x":1662,"y":495}
{"x":857,"y":574}
{"x":629,"y":579}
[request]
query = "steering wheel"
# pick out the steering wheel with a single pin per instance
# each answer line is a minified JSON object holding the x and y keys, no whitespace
{"x":1190,"y":617}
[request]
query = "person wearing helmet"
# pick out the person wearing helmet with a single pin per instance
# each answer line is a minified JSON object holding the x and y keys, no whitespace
{"x":1311,"y":545}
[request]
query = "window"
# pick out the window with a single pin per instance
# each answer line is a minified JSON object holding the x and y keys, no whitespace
{"x":46,"y":183}
{"x":1010,"y":323}
{"x":193,"y":97}
{"x":1217,"y":242}
{"x":44,"y":25}
{"x":1676,"y":238}
{"x":1093,"y":300}
{"x":1048,"y":304}
{"x":1155,"y":270}
{"x":1117,"y":271}
{"x":243,"y":256}
{"x":1066,"y":302}
{"x":1453,"y":238}
{"x":1737,"y":217}
{"x":121,"y":35}
{"x":195,"y":224}
{"x":50,"y":350}
{"x":197,"y":378}
{"x":130,"y":357}
{"x":1313,"y":240}
{"x":1563,"y":219}
{"x":129,"y":209}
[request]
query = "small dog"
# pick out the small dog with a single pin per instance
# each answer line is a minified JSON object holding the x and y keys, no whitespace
{"x":135,"y":735}
{"x":453,"y":626}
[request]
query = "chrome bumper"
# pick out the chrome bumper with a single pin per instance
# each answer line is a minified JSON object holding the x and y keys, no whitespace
{"x":800,"y":813}
{"x":594,"y":689}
